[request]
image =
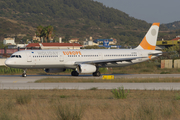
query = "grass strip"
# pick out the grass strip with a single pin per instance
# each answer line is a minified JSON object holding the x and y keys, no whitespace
{"x":116,"y":80}
{"x":92,"y":104}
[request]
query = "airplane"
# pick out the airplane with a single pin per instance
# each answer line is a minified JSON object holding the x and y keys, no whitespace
{"x":83,"y":60}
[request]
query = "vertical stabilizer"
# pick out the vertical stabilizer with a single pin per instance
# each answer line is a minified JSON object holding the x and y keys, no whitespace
{"x":150,"y":39}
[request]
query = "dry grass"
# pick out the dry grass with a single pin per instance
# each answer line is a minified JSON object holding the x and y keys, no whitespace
{"x":89,"y":105}
{"x":116,"y":80}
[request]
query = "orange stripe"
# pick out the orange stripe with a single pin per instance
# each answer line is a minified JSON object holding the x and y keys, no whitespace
{"x":145,"y":45}
{"x":158,"y":24}
{"x":150,"y":56}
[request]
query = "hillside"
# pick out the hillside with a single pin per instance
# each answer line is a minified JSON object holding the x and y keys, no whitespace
{"x":77,"y":18}
{"x":173,"y":26}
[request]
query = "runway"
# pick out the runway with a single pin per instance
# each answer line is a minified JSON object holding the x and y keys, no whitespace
{"x":18,"y":82}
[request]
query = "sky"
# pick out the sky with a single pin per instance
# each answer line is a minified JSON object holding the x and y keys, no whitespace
{"x":163,"y":11}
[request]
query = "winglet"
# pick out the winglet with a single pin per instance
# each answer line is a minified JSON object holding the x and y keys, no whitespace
{"x":150,"y":39}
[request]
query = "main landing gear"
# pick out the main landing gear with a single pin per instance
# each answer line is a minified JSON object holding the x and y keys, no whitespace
{"x":96,"y":74}
{"x":74,"y":73}
{"x":24,"y":73}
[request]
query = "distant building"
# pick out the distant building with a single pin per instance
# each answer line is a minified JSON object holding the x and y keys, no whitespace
{"x":74,"y":40}
{"x":101,"y":41}
{"x":167,"y":43}
{"x":9,"y":41}
{"x":36,"y":38}
{"x":176,"y":39}
{"x":60,"y":39}
{"x":21,"y":45}
{"x":54,"y":45}
{"x":89,"y":43}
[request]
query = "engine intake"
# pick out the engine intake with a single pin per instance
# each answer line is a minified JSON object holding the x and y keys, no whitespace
{"x":86,"y":68}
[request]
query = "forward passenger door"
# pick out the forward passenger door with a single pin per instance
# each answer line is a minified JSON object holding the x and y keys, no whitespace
{"x":29,"y":56}
{"x":61,"y":57}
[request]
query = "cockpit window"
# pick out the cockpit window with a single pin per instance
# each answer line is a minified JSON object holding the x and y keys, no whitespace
{"x":12,"y":56}
{"x":15,"y":56}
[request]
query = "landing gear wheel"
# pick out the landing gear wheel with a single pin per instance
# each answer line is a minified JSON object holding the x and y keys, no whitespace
{"x":74,"y":73}
{"x":24,"y":75}
{"x":97,"y":74}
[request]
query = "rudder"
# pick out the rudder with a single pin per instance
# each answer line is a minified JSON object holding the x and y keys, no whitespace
{"x":150,"y":39}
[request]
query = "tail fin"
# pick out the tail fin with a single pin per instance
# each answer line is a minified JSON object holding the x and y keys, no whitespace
{"x":150,"y":39}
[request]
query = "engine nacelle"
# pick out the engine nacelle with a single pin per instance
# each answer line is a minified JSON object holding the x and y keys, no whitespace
{"x":86,"y":68}
{"x":54,"y":70}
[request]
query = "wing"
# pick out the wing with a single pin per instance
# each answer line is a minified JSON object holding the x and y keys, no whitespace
{"x":108,"y":61}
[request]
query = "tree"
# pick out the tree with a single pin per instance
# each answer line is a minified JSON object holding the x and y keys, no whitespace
{"x":67,"y":37}
{"x":39,"y":31}
{"x":49,"y":31}
{"x":2,"y":45}
{"x":45,"y":32}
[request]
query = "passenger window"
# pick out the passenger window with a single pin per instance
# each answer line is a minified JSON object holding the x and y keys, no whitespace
{"x":19,"y":56}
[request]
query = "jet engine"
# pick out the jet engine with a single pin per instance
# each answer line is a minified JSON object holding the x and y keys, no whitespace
{"x":54,"y":70}
{"x":86,"y":68}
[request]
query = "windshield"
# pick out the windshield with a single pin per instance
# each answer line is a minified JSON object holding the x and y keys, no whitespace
{"x":15,"y":56}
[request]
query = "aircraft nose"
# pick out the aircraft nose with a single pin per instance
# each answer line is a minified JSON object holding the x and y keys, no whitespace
{"x":8,"y":62}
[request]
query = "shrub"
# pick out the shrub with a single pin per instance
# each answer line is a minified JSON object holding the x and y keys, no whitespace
{"x":94,"y":88}
{"x":9,"y":105}
{"x":69,"y":112}
{"x":5,"y":116}
{"x":164,"y":72}
{"x":120,"y":93}
{"x":23,"y":99}
{"x":63,"y":96}
{"x":6,"y":110}
{"x":7,"y":70}
{"x":177,"y":97}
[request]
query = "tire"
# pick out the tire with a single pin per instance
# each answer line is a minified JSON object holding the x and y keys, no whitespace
{"x":96,"y":74}
{"x":74,"y":73}
{"x":24,"y":75}
{"x":77,"y":74}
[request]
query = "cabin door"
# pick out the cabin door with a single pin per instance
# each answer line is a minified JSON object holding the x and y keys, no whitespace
{"x":100,"y":56}
{"x":29,"y":57}
{"x":61,"y":57}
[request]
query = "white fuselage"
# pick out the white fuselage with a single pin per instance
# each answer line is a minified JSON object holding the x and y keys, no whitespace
{"x":69,"y":58}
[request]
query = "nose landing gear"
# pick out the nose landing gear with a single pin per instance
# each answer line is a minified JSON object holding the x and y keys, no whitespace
{"x":24,"y":73}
